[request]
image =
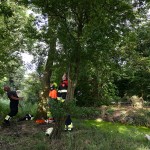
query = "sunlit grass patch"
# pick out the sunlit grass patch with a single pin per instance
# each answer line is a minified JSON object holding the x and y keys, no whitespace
{"x":117,"y":127}
{"x":123,"y":133}
{"x":107,"y":136}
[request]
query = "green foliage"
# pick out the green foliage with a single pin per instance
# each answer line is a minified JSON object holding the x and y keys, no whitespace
{"x":59,"y":109}
{"x":11,"y":26}
{"x":5,"y":9}
{"x":31,"y":87}
{"x":110,"y":111}
{"x":2,"y":83}
{"x":4,"y":107}
{"x":85,"y":112}
{"x":88,"y":40}
{"x":95,"y":90}
{"x":99,"y":43}
{"x":134,"y":78}
{"x":24,"y":108}
{"x":86,"y":91}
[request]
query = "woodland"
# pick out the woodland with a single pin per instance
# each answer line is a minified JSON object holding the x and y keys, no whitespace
{"x":104,"y":48}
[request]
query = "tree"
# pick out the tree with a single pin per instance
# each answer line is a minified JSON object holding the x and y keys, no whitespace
{"x":135,"y":63}
{"x":89,"y":35}
{"x":12,"y":18}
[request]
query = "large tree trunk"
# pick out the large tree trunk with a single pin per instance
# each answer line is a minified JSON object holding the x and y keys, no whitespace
{"x":71,"y":88}
{"x":43,"y":96}
{"x":74,"y":68}
{"x":73,"y":73}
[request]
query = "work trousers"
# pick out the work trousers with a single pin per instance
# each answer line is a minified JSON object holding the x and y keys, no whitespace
{"x":13,"y":109}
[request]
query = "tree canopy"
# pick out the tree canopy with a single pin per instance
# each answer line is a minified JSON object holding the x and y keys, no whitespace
{"x":102,"y":45}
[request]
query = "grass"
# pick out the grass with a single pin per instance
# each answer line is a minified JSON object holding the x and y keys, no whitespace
{"x":112,"y":136}
{"x":87,"y":135}
{"x":117,"y":127}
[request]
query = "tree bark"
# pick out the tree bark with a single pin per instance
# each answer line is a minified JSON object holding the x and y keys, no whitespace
{"x":43,"y":96}
{"x":59,"y":126}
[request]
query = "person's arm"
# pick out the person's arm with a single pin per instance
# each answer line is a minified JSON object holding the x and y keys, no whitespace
{"x":15,"y":98}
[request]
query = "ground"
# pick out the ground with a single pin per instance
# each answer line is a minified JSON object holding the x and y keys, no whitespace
{"x":23,"y":135}
{"x":27,"y":135}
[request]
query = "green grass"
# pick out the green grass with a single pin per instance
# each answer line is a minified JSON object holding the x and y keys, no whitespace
{"x":117,"y":127}
{"x":87,"y":135}
{"x":107,"y":136}
{"x":94,"y":135}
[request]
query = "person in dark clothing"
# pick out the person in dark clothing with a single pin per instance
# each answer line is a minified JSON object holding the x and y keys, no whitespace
{"x":62,"y":93}
{"x":14,"y":102}
{"x":68,"y":124}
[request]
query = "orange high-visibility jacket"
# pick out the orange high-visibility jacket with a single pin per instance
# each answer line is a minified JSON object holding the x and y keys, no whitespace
{"x":53,"y":94}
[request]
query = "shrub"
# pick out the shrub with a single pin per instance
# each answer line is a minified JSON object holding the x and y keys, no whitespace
{"x":24,"y":108}
{"x":60,"y":109}
{"x":139,"y":118}
{"x":27,"y":108}
{"x":4,"y":107}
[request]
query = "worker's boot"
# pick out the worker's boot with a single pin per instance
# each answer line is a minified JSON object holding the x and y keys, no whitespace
{"x":6,"y":121}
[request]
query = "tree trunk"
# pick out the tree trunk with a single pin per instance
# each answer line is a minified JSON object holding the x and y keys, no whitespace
{"x":71,"y":90}
{"x":42,"y":107}
{"x":73,"y":73}
{"x":43,"y":95}
{"x":59,"y":126}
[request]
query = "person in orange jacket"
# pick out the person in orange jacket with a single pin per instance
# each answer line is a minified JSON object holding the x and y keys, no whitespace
{"x":53,"y":91}
{"x":52,"y":96}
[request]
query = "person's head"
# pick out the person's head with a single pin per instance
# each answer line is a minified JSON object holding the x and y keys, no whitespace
{"x":53,"y":85}
{"x":64,"y":77}
{"x":6,"y":88}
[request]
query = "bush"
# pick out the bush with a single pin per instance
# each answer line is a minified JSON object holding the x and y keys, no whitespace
{"x":139,"y":118}
{"x":4,"y":107}
{"x":27,"y":108}
{"x":24,"y":108}
{"x":61,"y":109}
{"x":82,"y":112}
